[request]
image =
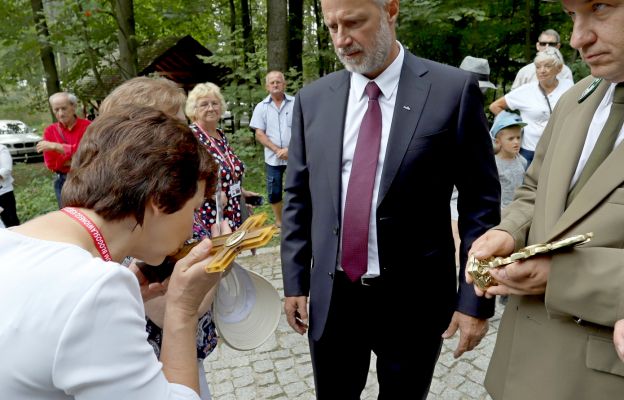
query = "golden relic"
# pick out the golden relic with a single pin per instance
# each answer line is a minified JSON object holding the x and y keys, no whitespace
{"x":251,"y":234}
{"x":479,"y":270}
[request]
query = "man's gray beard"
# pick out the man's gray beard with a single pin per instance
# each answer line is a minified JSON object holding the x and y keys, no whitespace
{"x":374,"y":60}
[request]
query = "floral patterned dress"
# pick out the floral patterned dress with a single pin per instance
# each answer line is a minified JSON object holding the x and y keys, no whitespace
{"x":231,"y":171}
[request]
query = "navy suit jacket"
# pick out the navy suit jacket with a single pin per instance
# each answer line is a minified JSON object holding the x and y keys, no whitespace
{"x":438,"y":138}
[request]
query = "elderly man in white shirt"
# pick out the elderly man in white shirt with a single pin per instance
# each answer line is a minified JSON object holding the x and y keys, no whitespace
{"x":272,"y":119}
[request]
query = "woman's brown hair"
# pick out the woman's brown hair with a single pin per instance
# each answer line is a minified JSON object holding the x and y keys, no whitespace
{"x":130,"y":156}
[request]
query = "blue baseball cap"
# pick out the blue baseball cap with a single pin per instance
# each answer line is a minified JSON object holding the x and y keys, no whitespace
{"x":504,"y":120}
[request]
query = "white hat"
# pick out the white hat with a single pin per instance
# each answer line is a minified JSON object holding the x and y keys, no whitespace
{"x":246,"y":308}
{"x":479,"y":67}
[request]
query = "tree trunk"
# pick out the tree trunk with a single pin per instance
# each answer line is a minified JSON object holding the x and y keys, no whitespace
{"x":248,"y":42}
{"x":53,"y":84}
{"x":295,"y":35}
{"x":322,"y":39}
{"x":277,"y":35}
{"x":124,"y":14}
{"x":232,"y":17}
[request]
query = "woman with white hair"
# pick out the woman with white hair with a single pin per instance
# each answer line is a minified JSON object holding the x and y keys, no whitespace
{"x":535,"y":100}
{"x":204,"y":107}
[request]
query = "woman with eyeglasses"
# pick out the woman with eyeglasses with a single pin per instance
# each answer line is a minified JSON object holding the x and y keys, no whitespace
{"x":526,"y":74}
{"x":204,"y":107}
{"x":535,"y":100}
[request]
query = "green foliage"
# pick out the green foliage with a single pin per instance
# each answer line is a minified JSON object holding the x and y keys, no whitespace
{"x":447,"y":31}
{"x":34,"y":190}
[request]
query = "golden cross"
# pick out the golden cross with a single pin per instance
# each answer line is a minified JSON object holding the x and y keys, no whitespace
{"x":251,"y":235}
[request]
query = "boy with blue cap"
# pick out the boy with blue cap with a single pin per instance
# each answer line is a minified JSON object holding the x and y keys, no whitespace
{"x":507,"y":134}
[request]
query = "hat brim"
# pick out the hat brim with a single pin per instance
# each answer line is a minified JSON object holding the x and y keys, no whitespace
{"x":246,"y":309}
{"x":487,"y":84}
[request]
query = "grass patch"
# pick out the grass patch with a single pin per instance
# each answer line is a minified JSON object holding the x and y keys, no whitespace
{"x":34,"y":190}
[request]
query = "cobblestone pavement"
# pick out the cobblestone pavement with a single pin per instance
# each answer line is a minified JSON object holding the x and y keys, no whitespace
{"x":280,"y":369}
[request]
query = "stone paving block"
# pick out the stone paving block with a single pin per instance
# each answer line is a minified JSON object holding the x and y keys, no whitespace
{"x":227,"y":396}
{"x":303,"y":369}
{"x":283,"y":364}
{"x":295,"y":389}
{"x":287,"y":377}
{"x":263,"y":366}
{"x":268,"y":392}
{"x":477,"y":376}
{"x":246,"y":393}
{"x":243,"y":381}
{"x":451,"y":394}
{"x":242,"y":371}
{"x":437,"y":387}
{"x":302,"y":349}
{"x":280,"y":354}
{"x":266,"y":378}
{"x":453,"y":380}
{"x":461,"y":368}
{"x":481,"y":363}
{"x":221,"y":388}
{"x":440,"y":370}
{"x":471,"y":389}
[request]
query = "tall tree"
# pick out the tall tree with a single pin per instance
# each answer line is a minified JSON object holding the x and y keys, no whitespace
{"x":322,"y":40}
{"x":126,"y":35}
{"x":295,"y":35}
{"x":248,"y":42}
{"x":53,"y":84}
{"x":277,"y":35}
{"x":232,"y":16}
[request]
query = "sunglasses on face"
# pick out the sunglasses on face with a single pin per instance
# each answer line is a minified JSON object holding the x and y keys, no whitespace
{"x":544,"y":44}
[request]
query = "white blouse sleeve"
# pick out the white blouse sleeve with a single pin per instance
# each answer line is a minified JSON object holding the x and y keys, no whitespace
{"x":103,"y":351}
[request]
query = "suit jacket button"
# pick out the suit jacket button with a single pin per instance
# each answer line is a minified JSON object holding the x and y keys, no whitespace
{"x":331,"y":275}
{"x":335,"y":231}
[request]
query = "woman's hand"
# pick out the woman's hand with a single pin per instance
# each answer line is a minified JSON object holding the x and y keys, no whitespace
{"x":190,"y":282}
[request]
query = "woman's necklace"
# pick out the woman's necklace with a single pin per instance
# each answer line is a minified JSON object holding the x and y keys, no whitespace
{"x":92,"y":229}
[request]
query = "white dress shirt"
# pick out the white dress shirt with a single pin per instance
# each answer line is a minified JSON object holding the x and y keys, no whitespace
{"x":595,"y":127}
{"x":388,"y":82}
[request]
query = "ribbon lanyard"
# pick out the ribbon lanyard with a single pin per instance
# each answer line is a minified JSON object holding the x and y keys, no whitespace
{"x":92,"y":229}
{"x":224,"y":155}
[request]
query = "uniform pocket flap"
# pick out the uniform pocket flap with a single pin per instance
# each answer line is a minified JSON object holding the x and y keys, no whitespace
{"x":601,"y":356}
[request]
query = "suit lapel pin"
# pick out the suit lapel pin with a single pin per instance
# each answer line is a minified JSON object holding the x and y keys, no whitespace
{"x":407,"y":108}
{"x":590,"y":89}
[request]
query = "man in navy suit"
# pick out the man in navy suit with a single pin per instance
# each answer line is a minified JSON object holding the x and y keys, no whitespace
{"x":433,"y":135}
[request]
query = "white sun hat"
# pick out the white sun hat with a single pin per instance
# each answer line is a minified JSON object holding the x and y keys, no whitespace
{"x":246,"y":309}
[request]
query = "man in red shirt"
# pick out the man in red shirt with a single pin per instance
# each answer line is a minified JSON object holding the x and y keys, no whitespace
{"x":61,"y":139}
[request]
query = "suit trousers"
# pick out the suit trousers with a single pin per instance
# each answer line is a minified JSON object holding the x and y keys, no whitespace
{"x":360,"y":321}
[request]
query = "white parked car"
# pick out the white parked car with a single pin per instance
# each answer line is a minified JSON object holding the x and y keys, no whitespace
{"x":20,"y":139}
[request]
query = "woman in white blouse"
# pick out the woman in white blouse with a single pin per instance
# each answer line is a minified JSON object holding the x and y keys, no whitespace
{"x":73,"y":322}
{"x":535,"y":100}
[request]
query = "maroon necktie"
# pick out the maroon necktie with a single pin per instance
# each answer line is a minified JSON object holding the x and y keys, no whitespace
{"x":358,"y":204}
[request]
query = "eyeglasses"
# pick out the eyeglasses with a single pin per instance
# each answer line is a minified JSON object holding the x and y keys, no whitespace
{"x":544,"y":44}
{"x":212,"y":104}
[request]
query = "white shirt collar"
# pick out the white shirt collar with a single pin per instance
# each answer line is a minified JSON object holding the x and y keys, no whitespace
{"x":388,"y":80}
